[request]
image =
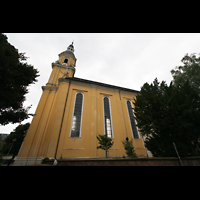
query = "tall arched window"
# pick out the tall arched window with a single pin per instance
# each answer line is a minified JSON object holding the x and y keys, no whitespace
{"x":132,"y":120}
{"x":107,"y":117}
{"x":77,"y":116}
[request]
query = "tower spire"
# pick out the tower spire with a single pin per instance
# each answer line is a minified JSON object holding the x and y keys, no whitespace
{"x":71,"y":47}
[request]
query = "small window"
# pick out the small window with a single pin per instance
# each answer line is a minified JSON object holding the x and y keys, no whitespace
{"x":107,"y":117}
{"x":132,"y":120}
{"x":65,"y":60}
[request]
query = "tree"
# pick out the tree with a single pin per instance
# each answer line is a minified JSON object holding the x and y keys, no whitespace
{"x":129,"y":148}
{"x":105,"y":143}
{"x":190,"y":72}
{"x":1,"y":144}
{"x":167,"y":114}
{"x":15,"y":140}
{"x":15,"y":76}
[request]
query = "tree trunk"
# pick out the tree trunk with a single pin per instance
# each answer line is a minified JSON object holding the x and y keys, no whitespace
{"x":106,"y":154}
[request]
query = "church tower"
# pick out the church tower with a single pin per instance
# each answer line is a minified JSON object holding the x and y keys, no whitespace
{"x":64,"y":67}
{"x":73,"y":111}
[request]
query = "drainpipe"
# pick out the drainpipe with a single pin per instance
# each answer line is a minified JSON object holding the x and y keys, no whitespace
{"x":55,"y":161}
{"x":177,"y":154}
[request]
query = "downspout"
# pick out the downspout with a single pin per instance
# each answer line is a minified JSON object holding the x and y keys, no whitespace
{"x":119,"y":95}
{"x":122,"y":112}
{"x":55,"y":162}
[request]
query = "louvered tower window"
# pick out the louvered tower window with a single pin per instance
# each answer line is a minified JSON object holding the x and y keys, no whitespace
{"x":77,"y":116}
{"x":107,"y":117}
{"x":65,"y":62}
{"x":132,"y":120}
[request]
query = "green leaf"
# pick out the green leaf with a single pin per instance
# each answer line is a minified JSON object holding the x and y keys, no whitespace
{"x":105,"y":143}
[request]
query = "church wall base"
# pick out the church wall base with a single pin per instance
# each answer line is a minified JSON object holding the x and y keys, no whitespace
{"x":27,"y":161}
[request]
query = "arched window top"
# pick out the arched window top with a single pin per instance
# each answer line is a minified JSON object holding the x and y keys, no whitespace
{"x":107,"y":117}
{"x":77,"y":116}
{"x":129,"y":103}
{"x":132,"y":120}
{"x":79,"y":94}
{"x":65,"y":62}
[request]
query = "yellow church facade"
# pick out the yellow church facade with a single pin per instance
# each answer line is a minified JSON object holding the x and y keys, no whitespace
{"x":73,"y":111}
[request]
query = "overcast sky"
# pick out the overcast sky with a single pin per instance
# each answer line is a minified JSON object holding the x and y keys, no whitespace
{"x":123,"y":59}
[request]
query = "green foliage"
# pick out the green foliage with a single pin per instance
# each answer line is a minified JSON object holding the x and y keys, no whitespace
{"x":190,"y":72}
{"x":167,"y":114}
{"x":105,"y":143}
{"x":15,"y":76}
{"x":129,"y":148}
{"x":45,"y":159}
{"x":1,"y":145}
{"x":16,"y":138}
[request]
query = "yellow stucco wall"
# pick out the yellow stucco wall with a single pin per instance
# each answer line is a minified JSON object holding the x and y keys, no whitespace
{"x":42,"y":136}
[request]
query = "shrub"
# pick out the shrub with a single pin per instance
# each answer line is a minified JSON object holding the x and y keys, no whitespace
{"x":129,"y":148}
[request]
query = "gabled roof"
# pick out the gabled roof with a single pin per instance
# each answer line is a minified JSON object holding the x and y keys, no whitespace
{"x":102,"y":84}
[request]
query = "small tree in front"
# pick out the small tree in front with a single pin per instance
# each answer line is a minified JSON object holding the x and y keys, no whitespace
{"x":105,"y":143}
{"x":129,"y":148}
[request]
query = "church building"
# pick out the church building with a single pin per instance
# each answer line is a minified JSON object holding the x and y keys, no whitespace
{"x":73,"y":111}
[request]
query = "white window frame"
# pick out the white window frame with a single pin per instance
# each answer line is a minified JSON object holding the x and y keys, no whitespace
{"x":134,"y":120}
{"x":112,"y":137}
{"x":73,"y":115}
